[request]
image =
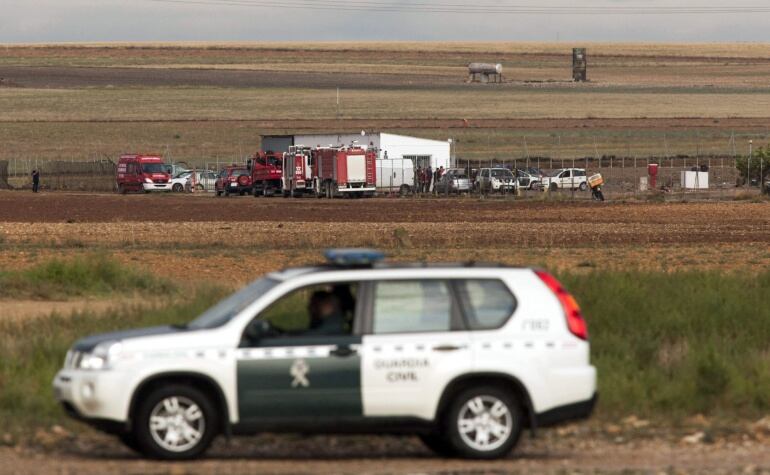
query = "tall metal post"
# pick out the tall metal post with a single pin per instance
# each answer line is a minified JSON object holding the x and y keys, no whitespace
{"x":748,"y":166}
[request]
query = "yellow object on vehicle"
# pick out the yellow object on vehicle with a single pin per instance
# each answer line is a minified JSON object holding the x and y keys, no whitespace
{"x":596,"y":180}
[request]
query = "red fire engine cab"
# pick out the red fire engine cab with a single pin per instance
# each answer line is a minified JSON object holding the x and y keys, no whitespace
{"x":297,"y":176}
{"x":266,"y":172}
{"x":329,"y":172}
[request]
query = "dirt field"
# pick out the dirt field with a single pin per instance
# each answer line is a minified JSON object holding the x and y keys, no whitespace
{"x":573,"y":449}
{"x":197,"y":236}
{"x":205,"y":102}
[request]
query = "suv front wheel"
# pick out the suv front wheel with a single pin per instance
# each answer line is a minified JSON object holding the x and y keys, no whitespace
{"x":175,"y":422}
{"x":483,"y":423}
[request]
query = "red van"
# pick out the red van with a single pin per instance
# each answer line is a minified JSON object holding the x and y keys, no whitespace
{"x":142,"y":173}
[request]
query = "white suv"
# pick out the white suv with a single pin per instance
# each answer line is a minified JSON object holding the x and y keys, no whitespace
{"x":567,"y":179}
{"x":465,"y":356}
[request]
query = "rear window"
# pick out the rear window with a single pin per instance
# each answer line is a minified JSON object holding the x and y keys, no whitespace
{"x":487,"y":303}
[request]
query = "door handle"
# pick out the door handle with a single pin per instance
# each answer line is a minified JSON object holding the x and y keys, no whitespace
{"x":343,"y":351}
{"x":447,"y":348}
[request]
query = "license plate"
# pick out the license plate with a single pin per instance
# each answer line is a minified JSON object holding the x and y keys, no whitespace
{"x":233,"y":184}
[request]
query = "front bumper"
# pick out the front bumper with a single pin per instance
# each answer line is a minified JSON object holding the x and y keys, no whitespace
{"x":157,"y":186}
{"x":356,"y":189}
{"x":93,"y":395}
{"x":504,"y":187}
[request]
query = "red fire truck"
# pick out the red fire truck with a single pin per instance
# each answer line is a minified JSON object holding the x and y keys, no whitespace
{"x":345,"y":171}
{"x":297,"y":176}
{"x":330,"y":172}
{"x":266,"y":172}
{"x":142,"y":173}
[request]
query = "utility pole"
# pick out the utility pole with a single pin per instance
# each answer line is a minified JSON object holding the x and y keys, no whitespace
{"x":748,"y":166}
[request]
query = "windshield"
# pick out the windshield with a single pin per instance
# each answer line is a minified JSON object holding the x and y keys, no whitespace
{"x":184,"y":175}
{"x":239,"y":171}
{"x":222,"y":312}
{"x":556,"y":173}
{"x":497,"y":173}
{"x":153,"y":168}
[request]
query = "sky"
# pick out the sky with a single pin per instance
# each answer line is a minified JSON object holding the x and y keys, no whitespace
{"x":25,"y":21}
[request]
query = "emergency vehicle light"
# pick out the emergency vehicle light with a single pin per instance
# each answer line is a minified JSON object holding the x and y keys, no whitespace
{"x":353,"y":257}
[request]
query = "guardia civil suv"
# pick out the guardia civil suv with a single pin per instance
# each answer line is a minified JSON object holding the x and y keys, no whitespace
{"x":465,"y":356}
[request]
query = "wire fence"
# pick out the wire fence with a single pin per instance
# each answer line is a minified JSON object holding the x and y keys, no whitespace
{"x":623,"y":176}
{"x":89,"y":175}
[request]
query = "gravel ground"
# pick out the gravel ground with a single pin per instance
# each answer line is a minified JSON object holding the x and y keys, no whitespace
{"x":567,"y":450}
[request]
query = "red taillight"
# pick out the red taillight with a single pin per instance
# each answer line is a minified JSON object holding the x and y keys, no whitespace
{"x":575,"y":321}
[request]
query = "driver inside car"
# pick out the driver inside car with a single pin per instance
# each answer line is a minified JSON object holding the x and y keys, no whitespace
{"x":326,"y":314}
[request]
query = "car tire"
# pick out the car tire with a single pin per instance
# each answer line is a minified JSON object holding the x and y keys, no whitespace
{"x":194,"y":412}
{"x":437,"y":444}
{"x":554,"y":187}
{"x":583,"y":186}
{"x":474,"y":417}
{"x":199,"y":187}
{"x":177,"y":188}
{"x":122,"y":189}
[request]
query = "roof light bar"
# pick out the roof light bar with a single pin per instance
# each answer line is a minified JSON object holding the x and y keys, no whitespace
{"x":353,"y":257}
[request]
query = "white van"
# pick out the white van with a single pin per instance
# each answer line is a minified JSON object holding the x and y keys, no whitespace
{"x":395,"y":175}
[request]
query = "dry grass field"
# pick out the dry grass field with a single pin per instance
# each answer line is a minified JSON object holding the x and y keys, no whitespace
{"x":199,"y":101}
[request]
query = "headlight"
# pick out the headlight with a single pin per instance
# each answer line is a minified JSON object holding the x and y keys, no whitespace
{"x":101,"y":357}
{"x":148,"y":180}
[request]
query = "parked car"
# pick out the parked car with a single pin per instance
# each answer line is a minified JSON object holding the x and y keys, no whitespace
{"x":466,"y":356}
{"x":141,"y":173}
{"x":567,"y":179}
{"x":527,"y":180}
{"x":204,"y":180}
{"x":454,"y":180}
{"x":235,"y":179}
{"x":500,"y":180}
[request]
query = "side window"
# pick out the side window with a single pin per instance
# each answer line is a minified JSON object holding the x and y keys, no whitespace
{"x":317,"y":310}
{"x":411,"y":306}
{"x":487,"y":303}
{"x":566,"y":174}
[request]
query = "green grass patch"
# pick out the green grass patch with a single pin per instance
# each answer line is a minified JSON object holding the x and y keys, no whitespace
{"x":90,"y":275}
{"x":673,"y":345}
{"x":667,"y":346}
{"x":32,"y":351}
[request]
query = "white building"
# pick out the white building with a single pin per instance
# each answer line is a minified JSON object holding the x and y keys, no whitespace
{"x":422,"y":152}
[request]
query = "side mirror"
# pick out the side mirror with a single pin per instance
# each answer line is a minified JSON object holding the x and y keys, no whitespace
{"x":257,"y":329}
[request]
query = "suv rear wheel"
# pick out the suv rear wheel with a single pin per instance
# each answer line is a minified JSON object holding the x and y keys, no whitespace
{"x":483,"y":423}
{"x":175,"y":422}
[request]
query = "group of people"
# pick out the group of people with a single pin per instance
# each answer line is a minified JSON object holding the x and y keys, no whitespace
{"x":426,"y":179}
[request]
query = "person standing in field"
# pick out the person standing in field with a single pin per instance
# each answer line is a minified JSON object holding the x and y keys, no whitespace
{"x":35,"y":180}
{"x":428,"y":178}
{"x":436,"y":178}
{"x":417,"y":180}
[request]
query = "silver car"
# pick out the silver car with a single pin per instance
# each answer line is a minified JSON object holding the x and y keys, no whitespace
{"x":495,"y":180}
{"x":454,"y":180}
